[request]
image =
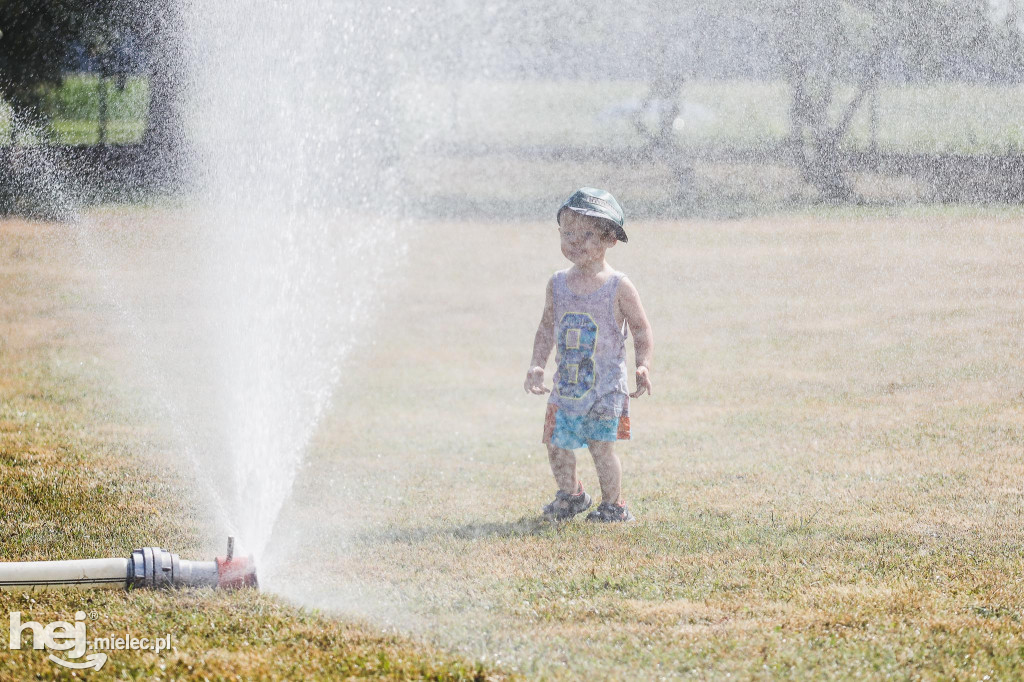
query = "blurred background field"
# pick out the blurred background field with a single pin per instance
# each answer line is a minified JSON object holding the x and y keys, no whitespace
{"x":933,"y":118}
{"x":498,"y":149}
{"x":958,"y":118}
{"x":73,"y":111}
{"x":702,"y":109}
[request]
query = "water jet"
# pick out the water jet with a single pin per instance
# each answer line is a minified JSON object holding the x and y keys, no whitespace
{"x":147,"y":567}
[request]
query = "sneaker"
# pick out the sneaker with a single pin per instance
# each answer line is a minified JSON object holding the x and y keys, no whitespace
{"x":607,"y":512}
{"x":566,"y":506}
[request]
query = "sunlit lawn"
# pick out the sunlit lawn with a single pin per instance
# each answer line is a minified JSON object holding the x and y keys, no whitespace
{"x":826,"y":479}
{"x":85,"y":473}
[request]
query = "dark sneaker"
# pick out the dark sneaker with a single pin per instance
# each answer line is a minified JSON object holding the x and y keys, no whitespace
{"x":609,"y":513}
{"x":566,"y":506}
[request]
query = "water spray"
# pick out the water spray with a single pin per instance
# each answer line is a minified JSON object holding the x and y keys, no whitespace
{"x":147,"y":567}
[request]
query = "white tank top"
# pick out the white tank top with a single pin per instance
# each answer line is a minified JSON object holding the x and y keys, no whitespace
{"x":590,"y":351}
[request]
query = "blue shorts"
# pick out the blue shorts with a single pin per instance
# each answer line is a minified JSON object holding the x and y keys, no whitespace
{"x":571,"y":431}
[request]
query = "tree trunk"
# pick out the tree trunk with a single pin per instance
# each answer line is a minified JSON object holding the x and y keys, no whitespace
{"x":164,"y":141}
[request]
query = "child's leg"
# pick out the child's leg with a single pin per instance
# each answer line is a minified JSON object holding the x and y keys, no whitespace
{"x":563,"y":466}
{"x":609,"y":470}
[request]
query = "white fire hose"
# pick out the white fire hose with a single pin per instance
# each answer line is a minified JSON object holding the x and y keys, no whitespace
{"x":148,"y":567}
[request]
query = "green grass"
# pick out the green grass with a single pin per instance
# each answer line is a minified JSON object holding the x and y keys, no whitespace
{"x":73,"y":110}
{"x":84,"y":474}
{"x":87,"y":131}
{"x":826,"y":477}
{"x":78,"y":99}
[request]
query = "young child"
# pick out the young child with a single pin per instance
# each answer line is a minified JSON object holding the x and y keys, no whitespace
{"x":587,"y":309}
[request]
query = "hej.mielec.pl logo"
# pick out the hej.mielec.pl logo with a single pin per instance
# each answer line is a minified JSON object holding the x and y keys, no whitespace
{"x":68,"y":637}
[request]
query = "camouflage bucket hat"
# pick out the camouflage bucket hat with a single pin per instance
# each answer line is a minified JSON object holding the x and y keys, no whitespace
{"x":597,"y":203}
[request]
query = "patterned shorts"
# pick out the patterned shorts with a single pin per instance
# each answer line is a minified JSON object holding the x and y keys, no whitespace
{"x":571,"y":431}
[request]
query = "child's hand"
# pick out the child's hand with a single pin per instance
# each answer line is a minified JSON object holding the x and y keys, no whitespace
{"x":535,"y":381}
{"x":643,"y":382}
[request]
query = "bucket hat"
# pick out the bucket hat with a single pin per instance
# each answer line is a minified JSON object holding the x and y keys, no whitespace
{"x":598,"y":203}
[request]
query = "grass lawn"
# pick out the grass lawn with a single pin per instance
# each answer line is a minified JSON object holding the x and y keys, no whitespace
{"x":73,"y":110}
{"x":83,"y":474}
{"x":826,"y":479}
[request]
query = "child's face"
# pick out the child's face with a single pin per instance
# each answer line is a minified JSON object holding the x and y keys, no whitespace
{"x":584,"y":240}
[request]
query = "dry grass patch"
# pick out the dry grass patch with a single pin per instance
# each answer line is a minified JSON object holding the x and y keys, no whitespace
{"x":83,"y":474}
{"x":826,"y":477}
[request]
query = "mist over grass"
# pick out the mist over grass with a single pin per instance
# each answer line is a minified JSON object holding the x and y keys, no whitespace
{"x":87,"y":472}
{"x":825,"y":476}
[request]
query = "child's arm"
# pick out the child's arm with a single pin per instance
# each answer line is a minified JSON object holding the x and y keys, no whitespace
{"x":643,"y":336}
{"x":543,"y":342}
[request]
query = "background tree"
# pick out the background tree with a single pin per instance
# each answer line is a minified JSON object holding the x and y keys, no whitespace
{"x":35,"y":43}
{"x":863,"y":43}
{"x":41,"y":40}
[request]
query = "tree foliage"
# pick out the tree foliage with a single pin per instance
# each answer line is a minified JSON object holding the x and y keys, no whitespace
{"x":43,"y":39}
{"x":831,"y":43}
{"x":35,"y":45}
